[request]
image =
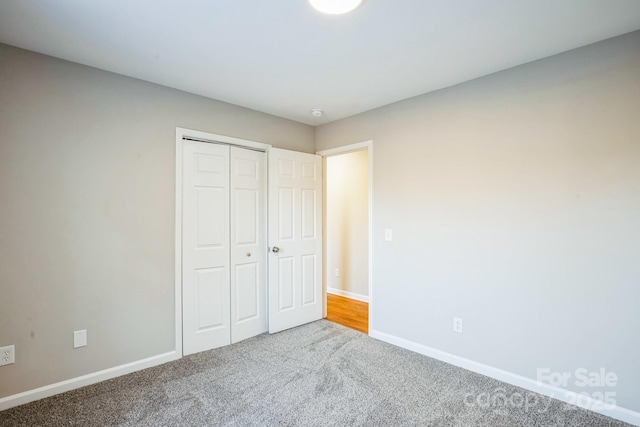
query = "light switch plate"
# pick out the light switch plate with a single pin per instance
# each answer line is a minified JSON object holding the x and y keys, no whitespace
{"x":80,"y":338}
{"x":388,"y":235}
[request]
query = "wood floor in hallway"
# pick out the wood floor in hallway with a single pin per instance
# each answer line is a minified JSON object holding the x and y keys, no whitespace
{"x":348,"y":312}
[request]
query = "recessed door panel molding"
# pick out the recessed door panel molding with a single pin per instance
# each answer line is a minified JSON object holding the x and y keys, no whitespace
{"x":286,"y":209}
{"x":309,"y":171}
{"x":309,"y":283}
{"x":212,"y":312}
{"x":248,"y":294}
{"x":211,"y":203}
{"x":248,"y":168}
{"x":286,"y":281}
{"x":248,"y":243}
{"x":211,"y":163}
{"x":286,"y":169}
{"x":205,"y":247}
{"x":309,"y":219}
{"x":247,"y":211}
{"x":295,"y":236}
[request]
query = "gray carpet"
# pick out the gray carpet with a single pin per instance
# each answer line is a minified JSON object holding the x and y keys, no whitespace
{"x":320,"y":374}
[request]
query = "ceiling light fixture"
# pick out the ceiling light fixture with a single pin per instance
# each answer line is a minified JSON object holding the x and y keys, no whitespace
{"x":316,"y":112}
{"x":335,"y":7}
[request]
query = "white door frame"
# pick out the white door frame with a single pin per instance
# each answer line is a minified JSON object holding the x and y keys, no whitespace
{"x":359,"y":146}
{"x":181,"y":134}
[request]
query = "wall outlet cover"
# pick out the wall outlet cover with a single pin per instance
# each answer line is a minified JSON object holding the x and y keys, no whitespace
{"x":7,"y":355}
{"x":457,"y":325}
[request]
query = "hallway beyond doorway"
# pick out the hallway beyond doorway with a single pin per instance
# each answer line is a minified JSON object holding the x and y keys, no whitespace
{"x":348,"y":312}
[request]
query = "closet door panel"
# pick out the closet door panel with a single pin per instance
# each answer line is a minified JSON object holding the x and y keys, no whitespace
{"x":205,"y":247}
{"x":248,"y":243}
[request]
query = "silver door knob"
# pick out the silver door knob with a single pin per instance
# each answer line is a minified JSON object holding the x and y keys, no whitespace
{"x":275,"y":249}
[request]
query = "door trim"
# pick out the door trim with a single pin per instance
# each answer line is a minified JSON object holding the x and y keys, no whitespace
{"x":359,"y":146}
{"x":181,"y":134}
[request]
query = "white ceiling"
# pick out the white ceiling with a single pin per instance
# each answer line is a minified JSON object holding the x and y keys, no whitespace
{"x":283,"y":58}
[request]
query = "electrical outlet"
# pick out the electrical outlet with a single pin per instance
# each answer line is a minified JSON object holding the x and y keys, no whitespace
{"x":80,"y":338}
{"x":337,"y":272}
{"x":457,"y":325}
{"x":7,"y":355}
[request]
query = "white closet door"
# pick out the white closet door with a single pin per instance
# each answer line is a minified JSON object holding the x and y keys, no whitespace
{"x":205,"y":247}
{"x":248,"y":244}
{"x":295,"y":235}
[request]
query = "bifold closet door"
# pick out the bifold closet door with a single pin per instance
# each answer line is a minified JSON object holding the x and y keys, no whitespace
{"x":205,"y":247}
{"x":248,"y":243}
{"x":224,"y":245}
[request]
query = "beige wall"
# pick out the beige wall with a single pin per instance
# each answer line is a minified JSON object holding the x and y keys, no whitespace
{"x":514,"y":201}
{"x":347,"y":213}
{"x":87,"y":171}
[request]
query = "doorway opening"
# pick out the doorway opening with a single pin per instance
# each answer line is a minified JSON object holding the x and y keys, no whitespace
{"x":347,"y":231}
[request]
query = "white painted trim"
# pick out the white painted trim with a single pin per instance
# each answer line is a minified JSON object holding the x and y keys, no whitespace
{"x":370,"y":151}
{"x":347,"y":294}
{"x":325,"y":215}
{"x":189,"y":133}
{"x":178,"y":245}
{"x":365,"y":145}
{"x":571,"y":397}
{"x":85,"y":380}
{"x":358,"y":146}
{"x":181,"y":133}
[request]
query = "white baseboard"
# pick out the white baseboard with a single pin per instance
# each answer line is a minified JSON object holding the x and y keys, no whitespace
{"x":84,"y":380}
{"x":586,"y":402}
{"x":348,"y":294}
